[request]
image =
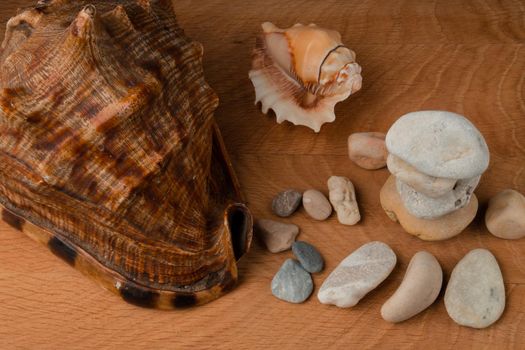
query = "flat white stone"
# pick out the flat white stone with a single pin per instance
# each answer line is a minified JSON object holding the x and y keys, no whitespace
{"x":475,"y":295}
{"x":428,"y":185}
{"x":439,"y":144}
{"x":358,"y":274}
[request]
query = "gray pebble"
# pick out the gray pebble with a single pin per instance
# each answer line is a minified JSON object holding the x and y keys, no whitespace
{"x":308,"y":256}
{"x":286,"y":203}
{"x":292,"y":283}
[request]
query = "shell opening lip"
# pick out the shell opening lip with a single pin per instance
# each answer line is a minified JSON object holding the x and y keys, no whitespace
{"x":324,"y":60}
{"x":240,"y":226}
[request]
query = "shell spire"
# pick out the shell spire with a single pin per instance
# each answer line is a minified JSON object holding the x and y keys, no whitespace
{"x":110,"y":153}
{"x":302,"y":72}
{"x":145,"y":4}
{"x":82,"y":26}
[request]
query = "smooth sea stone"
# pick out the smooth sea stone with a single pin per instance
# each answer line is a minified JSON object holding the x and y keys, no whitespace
{"x":286,"y":203}
{"x":277,"y":236}
{"x":358,"y":274}
{"x":444,"y":227}
{"x":309,"y":257}
{"x":475,"y":295}
{"x":428,"y":185}
{"x":439,"y":144}
{"x":505,"y":217}
{"x":292,"y":283}
{"x":316,"y":205}
{"x":368,"y":150}
{"x":342,"y":198}
{"x":418,"y":290}
{"x":424,"y":207}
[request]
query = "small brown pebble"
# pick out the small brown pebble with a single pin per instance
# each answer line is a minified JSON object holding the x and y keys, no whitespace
{"x":368,"y":150}
{"x":286,"y":203}
{"x":505,"y":217}
{"x":316,"y":205}
{"x":277,"y":236}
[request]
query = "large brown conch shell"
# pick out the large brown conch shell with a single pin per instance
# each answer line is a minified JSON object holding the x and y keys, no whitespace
{"x":109,"y":152}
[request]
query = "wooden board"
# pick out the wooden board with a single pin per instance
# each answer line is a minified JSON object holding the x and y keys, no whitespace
{"x":463,"y":56}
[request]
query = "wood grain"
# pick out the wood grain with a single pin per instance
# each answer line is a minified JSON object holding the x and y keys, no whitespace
{"x":463,"y":56}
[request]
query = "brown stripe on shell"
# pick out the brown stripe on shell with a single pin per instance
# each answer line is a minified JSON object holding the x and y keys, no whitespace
{"x":62,"y":250}
{"x":228,"y":282}
{"x":139,"y":296}
{"x":12,"y":220}
{"x":34,"y":118}
{"x":184,"y":300}
{"x":7,"y":95}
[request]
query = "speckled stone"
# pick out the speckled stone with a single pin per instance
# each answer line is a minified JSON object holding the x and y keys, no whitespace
{"x":475,"y":295}
{"x":286,"y":203}
{"x":308,"y":256}
{"x":292,"y":283}
{"x":425,"y":207}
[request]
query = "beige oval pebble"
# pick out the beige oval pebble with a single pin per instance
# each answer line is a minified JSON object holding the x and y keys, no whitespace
{"x":277,"y":236}
{"x":342,"y":197}
{"x":316,"y":205}
{"x":505,"y":217}
{"x":418,"y":290}
{"x":368,"y":150}
{"x":438,"y":229}
{"x":475,"y":295}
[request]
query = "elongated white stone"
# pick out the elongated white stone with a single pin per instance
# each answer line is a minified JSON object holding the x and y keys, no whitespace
{"x":418,"y":290}
{"x":358,"y":274}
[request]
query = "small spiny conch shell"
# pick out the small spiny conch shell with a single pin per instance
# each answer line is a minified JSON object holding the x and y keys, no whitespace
{"x":110,"y":154}
{"x":302,"y":72}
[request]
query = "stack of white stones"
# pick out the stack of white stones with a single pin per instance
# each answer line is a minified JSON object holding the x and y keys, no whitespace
{"x":436,"y":159}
